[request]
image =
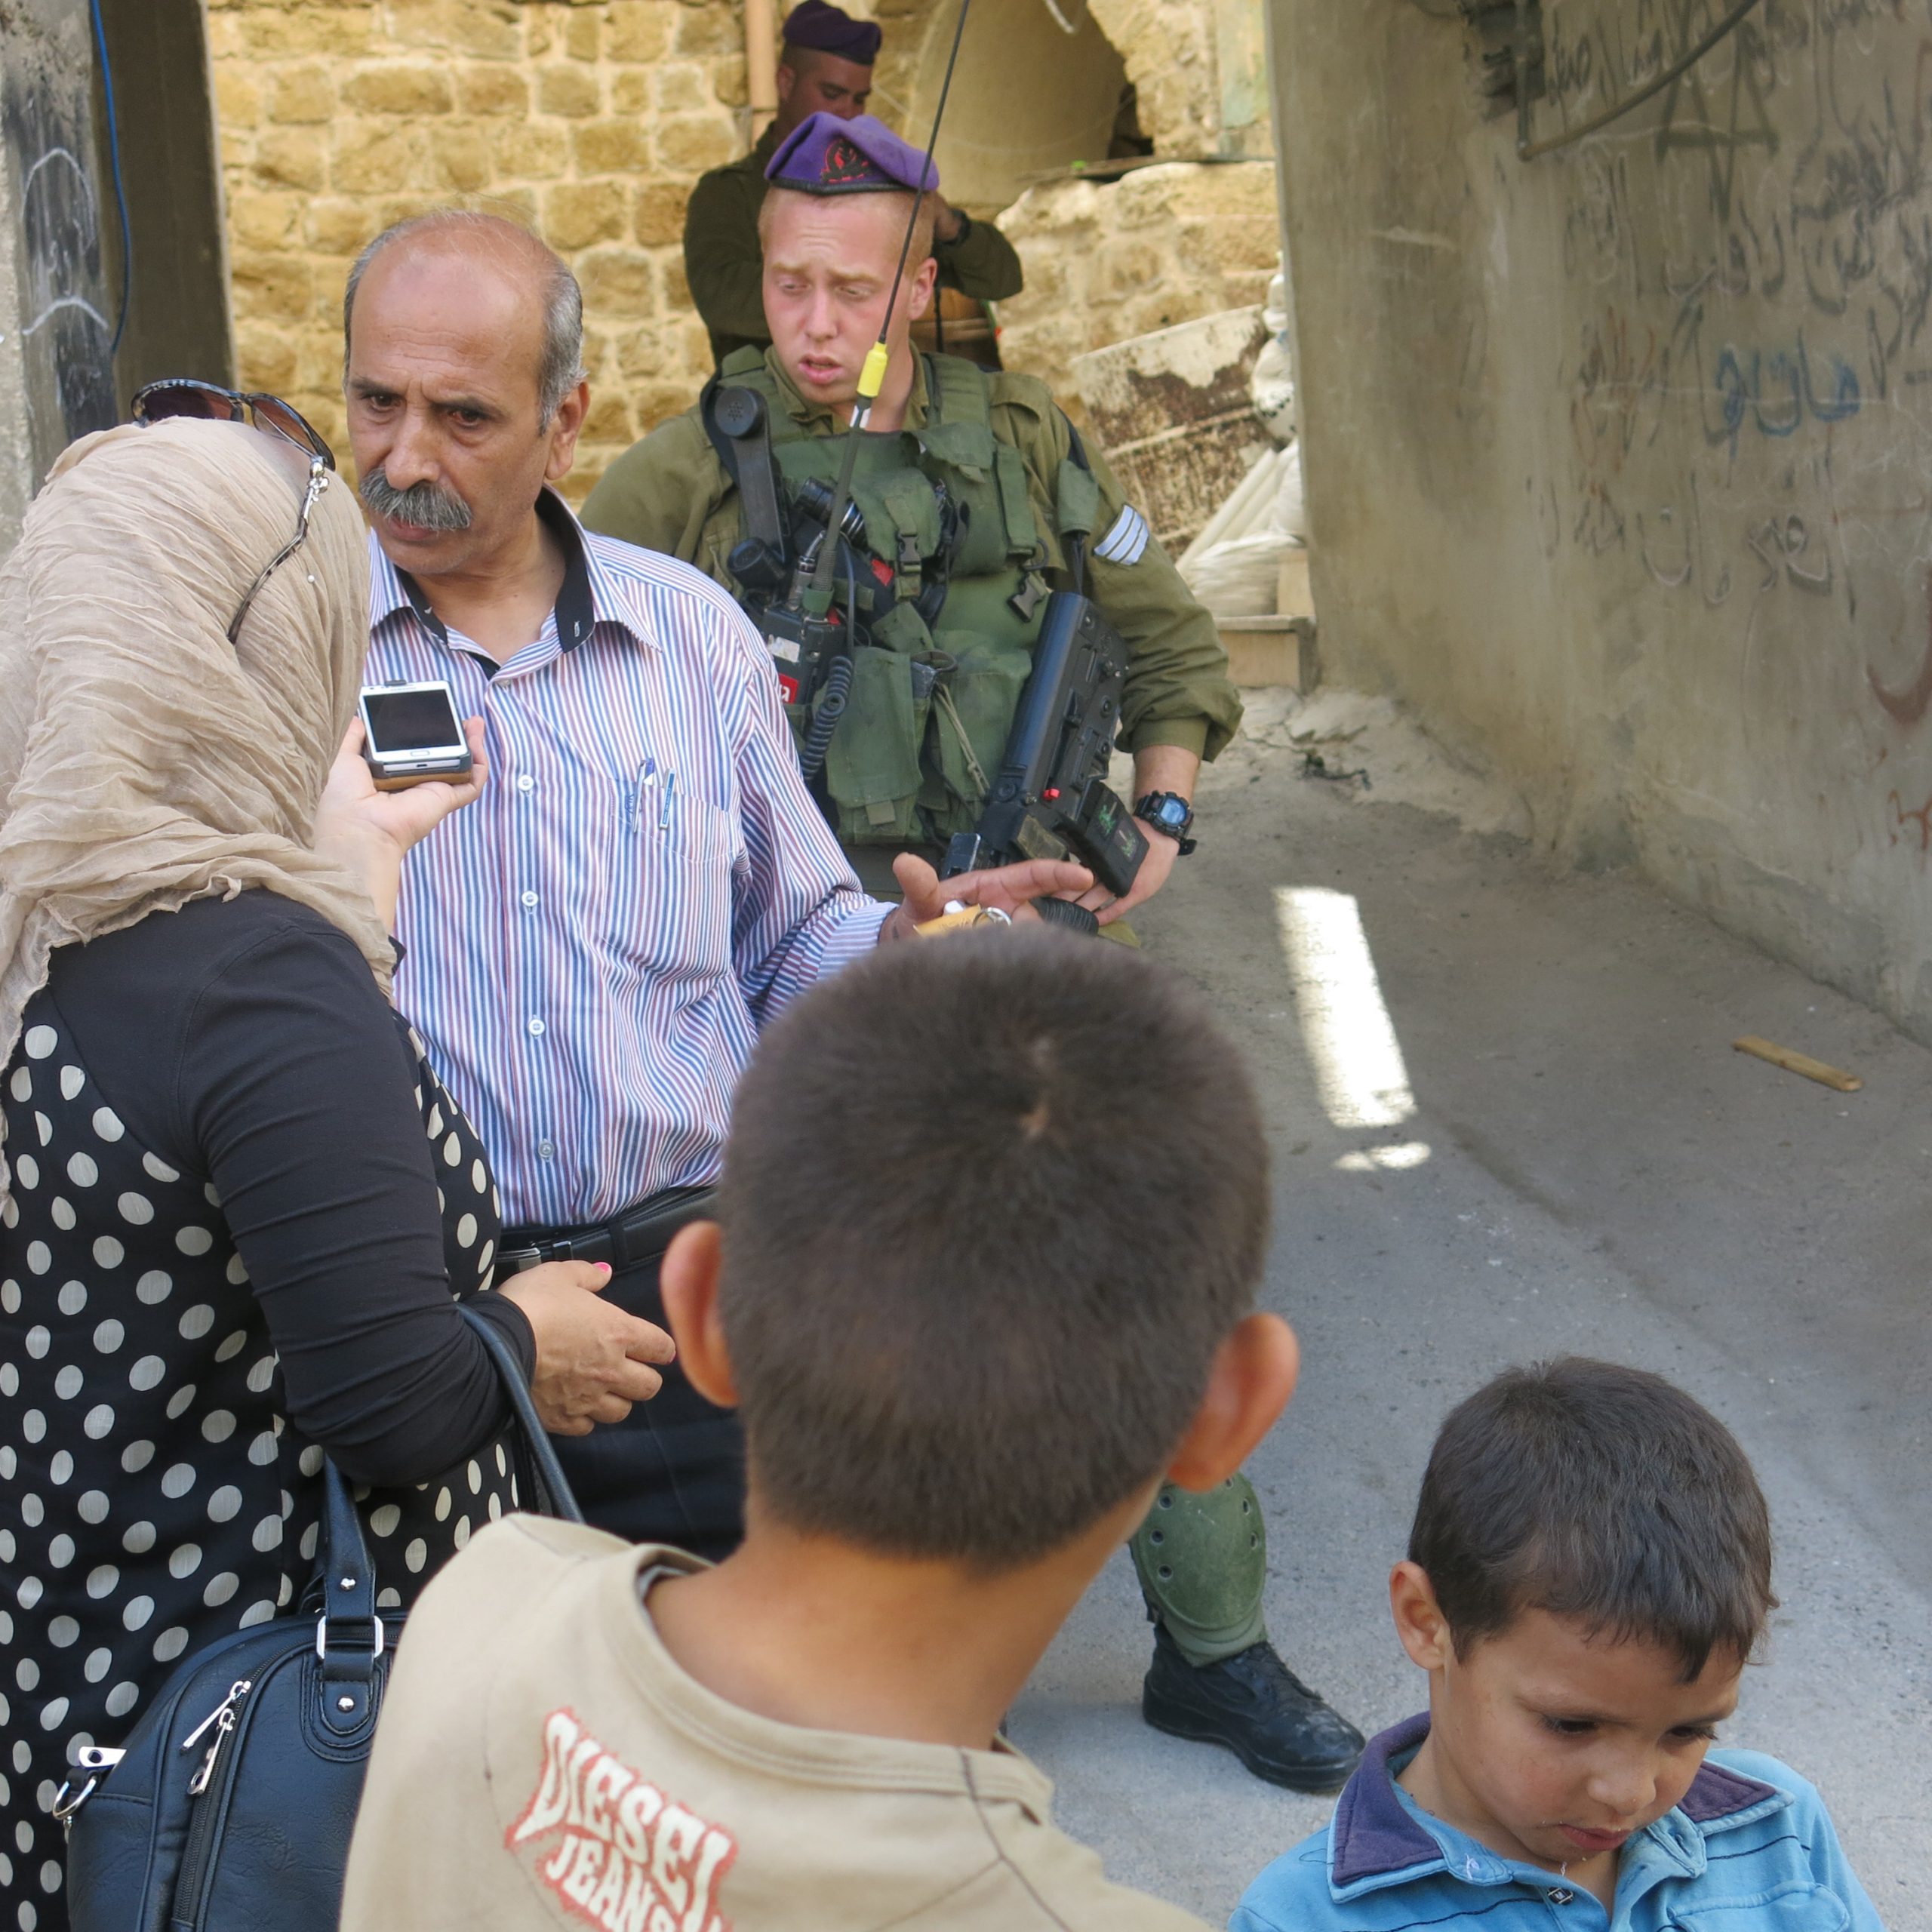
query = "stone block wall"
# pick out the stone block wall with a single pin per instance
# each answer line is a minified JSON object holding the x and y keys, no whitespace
{"x":592,"y":119}
{"x":1106,"y":261}
{"x":590,"y":122}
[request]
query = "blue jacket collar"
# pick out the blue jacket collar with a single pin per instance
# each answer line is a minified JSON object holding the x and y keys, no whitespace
{"x":1374,"y":1837}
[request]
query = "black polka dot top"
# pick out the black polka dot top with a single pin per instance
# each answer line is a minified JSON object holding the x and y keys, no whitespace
{"x":240,"y":1204}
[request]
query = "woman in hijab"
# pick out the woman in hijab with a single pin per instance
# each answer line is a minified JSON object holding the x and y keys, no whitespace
{"x":235,"y":1203}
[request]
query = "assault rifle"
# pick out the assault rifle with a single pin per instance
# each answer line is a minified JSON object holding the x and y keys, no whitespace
{"x":1051,"y":799}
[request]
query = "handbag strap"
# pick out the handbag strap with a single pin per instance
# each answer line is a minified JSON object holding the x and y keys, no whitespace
{"x":552,"y":1490}
{"x":350,"y":1637}
{"x":349,"y":1578}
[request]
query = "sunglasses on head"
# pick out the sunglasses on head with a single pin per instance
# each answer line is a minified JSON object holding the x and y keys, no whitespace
{"x":208,"y":402}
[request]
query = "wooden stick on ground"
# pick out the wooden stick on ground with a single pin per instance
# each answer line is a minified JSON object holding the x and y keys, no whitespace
{"x":1797,"y":1062}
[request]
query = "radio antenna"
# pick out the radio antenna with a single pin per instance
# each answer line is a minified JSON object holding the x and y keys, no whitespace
{"x":871,"y":377}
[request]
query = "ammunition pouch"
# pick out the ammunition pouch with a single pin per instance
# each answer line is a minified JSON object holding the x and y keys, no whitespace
{"x":948,"y":582}
{"x":871,"y":769}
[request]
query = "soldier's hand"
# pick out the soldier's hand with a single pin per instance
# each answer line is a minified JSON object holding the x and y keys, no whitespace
{"x":1162,"y":851}
{"x":1008,"y":889}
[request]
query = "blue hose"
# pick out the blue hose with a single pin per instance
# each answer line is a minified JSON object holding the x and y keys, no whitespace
{"x":120,"y":191}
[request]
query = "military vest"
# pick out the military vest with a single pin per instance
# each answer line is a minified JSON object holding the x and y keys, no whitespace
{"x":931,"y":704}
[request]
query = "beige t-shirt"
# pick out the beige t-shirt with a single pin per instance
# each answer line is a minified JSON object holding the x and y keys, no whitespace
{"x":542,"y":1761}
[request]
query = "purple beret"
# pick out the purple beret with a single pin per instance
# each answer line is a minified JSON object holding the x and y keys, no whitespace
{"x":828,"y":29}
{"x":824,"y":155}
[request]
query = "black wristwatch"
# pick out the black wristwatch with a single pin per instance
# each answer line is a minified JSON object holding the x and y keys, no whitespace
{"x":1168,"y":812}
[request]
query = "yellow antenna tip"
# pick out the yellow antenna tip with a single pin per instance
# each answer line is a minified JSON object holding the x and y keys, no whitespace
{"x":871,"y":377}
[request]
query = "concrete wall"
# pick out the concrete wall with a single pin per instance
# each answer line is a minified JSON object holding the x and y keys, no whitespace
{"x":1024,"y":97}
{"x":1619,"y":461}
{"x":56,"y":377}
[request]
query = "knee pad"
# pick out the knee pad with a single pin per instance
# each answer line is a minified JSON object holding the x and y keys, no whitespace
{"x":1203,"y":1561}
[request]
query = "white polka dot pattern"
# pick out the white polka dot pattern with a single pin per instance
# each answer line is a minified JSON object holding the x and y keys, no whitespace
{"x":153,"y":1496}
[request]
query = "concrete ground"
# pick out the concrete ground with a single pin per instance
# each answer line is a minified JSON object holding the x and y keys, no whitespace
{"x":1604,"y":1175}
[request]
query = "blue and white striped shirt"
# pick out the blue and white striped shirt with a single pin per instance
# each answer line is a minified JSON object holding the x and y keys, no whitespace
{"x":593,"y":944}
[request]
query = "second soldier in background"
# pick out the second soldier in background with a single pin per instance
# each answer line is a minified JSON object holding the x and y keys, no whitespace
{"x":971,"y":487}
{"x":825,"y":67}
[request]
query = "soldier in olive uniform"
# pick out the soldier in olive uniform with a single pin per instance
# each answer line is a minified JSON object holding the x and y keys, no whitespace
{"x":825,"y":68}
{"x":973,"y":489}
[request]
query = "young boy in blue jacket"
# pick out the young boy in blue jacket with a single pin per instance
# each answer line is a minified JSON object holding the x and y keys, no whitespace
{"x":1589,"y":1573}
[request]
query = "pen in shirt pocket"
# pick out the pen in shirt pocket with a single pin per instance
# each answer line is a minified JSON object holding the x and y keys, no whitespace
{"x":650,"y":782}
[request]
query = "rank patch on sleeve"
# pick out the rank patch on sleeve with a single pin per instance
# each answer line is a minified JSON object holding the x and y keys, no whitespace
{"x":1126,"y":537}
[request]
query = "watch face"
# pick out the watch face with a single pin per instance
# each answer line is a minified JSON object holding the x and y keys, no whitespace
{"x":1172,"y":815}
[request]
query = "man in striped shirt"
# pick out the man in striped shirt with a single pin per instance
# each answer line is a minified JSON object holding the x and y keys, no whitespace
{"x":592,"y":948}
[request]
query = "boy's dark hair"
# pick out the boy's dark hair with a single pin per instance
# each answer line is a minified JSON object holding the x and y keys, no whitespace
{"x":1601,"y":1493}
{"x":990,"y":1204}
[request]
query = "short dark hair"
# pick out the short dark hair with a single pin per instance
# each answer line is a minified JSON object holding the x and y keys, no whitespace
{"x":1601,"y":1493}
{"x":990,"y":1204}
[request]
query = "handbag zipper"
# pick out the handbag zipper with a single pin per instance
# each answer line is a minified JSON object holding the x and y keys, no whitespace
{"x":199,"y":1843}
{"x":222,"y":1717}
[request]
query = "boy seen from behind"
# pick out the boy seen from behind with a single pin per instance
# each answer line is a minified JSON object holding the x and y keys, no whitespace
{"x":1589,"y":1573}
{"x":976,"y":1292}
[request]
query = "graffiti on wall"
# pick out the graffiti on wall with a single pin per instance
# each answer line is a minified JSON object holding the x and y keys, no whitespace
{"x":1749,"y":392}
{"x":1608,"y":57}
{"x":65,"y":334}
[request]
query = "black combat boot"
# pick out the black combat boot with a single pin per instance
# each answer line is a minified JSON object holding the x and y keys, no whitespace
{"x":1255,"y":1705}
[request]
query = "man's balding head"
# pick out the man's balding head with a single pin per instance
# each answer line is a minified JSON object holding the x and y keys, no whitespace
{"x":504,"y":250}
{"x":463,"y":335}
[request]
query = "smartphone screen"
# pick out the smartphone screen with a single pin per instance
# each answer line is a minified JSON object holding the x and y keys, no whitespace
{"x":418,"y":718}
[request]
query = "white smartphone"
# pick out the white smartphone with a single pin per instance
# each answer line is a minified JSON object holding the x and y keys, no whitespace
{"x":412,"y":734}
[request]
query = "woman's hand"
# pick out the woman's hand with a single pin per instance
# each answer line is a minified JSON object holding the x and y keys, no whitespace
{"x":366,"y":832}
{"x":592,"y":1360}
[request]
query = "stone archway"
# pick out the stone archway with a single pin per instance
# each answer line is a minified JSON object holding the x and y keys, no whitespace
{"x":1029,"y":99}
{"x":1039,"y":85}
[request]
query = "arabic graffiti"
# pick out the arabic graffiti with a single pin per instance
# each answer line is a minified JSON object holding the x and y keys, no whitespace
{"x":1773,"y":391}
{"x":1744,"y":389}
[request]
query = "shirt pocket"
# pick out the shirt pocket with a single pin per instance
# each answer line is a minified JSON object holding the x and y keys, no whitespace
{"x":673,"y":888}
{"x":1794,"y":1905}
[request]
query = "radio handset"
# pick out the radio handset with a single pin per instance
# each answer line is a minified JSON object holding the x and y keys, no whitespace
{"x":811,"y":650}
{"x":760,"y":562}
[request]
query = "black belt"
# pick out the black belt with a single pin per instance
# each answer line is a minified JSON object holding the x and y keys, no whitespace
{"x":639,"y":1235}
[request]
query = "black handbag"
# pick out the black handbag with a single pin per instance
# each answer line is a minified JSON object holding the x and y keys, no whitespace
{"x":232,"y":1806}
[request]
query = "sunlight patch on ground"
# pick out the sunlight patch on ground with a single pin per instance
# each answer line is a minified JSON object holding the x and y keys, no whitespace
{"x":1359,"y":1071}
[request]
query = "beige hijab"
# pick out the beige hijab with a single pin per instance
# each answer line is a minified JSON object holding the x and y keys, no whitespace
{"x":145,"y":761}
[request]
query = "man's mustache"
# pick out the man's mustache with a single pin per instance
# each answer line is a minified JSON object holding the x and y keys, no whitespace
{"x":427,"y":506}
